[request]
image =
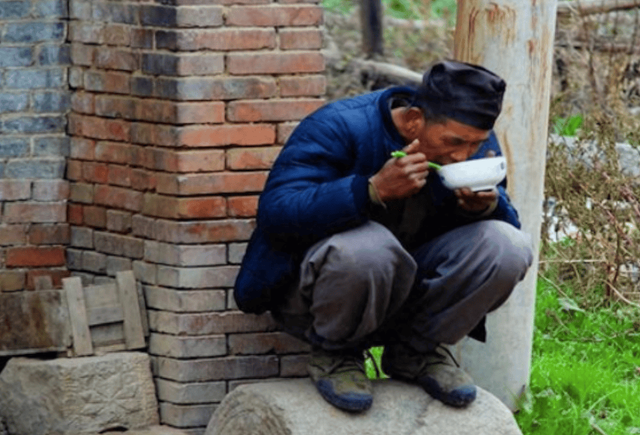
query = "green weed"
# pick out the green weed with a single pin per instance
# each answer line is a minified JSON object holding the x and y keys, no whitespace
{"x":568,"y":126}
{"x":372,"y":372}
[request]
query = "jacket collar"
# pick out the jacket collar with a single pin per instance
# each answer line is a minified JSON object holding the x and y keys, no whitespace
{"x":384,"y":105}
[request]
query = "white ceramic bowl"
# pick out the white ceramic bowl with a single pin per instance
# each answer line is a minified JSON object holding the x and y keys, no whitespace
{"x":480,"y":174}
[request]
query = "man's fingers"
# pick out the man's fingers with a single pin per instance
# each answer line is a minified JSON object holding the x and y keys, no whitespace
{"x":487,"y":194}
{"x":419,"y":166}
{"x":465,"y":192}
{"x":412,"y":147}
{"x":418,"y":183}
{"x":412,"y":159}
{"x":418,"y":170}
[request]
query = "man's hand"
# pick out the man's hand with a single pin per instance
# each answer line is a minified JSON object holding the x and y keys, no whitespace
{"x":402,"y":177}
{"x":476,"y":202}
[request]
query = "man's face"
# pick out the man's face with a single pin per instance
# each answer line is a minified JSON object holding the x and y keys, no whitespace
{"x":449,"y":142}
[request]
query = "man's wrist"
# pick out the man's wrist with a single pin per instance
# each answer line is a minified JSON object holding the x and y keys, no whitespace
{"x":374,"y":196}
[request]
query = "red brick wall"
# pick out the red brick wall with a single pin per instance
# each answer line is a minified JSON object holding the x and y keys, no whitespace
{"x":178,"y":112}
{"x":33,"y":232}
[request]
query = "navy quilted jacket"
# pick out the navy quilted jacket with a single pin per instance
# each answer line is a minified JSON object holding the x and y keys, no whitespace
{"x":318,"y":186}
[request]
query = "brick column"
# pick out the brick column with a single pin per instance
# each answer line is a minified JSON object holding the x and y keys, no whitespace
{"x":33,"y":101}
{"x":178,"y":112}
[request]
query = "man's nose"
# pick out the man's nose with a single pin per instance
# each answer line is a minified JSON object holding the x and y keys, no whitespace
{"x":463,"y":153}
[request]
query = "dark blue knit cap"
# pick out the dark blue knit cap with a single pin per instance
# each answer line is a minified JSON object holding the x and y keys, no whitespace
{"x":466,"y":93}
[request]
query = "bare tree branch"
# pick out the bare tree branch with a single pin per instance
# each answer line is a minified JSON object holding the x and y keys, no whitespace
{"x":595,"y":7}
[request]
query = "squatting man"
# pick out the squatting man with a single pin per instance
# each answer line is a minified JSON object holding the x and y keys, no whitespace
{"x":356,"y":248}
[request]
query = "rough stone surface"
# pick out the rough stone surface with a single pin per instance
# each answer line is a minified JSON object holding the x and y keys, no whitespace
{"x":293,"y":407}
{"x":78,"y":395}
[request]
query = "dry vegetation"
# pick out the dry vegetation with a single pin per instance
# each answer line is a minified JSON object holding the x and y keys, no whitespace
{"x":597,"y":77}
{"x":596,"y":80}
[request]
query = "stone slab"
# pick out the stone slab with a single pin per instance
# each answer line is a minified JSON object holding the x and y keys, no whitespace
{"x":294,"y":407}
{"x":33,"y":322}
{"x":78,"y":395}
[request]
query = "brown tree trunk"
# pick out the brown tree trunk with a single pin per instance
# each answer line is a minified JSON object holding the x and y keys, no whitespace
{"x":372,"y":29}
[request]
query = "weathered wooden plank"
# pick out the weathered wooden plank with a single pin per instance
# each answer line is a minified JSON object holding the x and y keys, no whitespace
{"x":143,"y":309}
{"x":133,"y":332}
{"x":104,"y":314}
{"x":78,"y":316}
{"x":103,"y":350}
{"x":107,"y":335}
{"x":33,"y":322}
{"x":101,"y":295}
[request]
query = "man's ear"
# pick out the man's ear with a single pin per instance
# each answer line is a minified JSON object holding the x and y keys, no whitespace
{"x":413,"y":119}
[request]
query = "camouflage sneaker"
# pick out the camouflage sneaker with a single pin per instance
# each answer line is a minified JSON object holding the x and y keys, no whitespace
{"x":436,"y":372}
{"x":341,"y":380}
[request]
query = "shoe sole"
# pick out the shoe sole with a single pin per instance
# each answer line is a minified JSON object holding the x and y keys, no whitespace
{"x":347,"y":402}
{"x":458,"y":398}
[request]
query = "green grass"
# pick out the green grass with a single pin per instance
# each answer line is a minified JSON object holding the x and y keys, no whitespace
{"x":407,"y":9}
{"x":338,"y":6}
{"x":585,"y":376}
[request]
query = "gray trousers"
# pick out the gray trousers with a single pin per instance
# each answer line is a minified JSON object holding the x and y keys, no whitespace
{"x":361,"y":288}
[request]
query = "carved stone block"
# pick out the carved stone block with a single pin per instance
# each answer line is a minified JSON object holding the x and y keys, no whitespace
{"x":78,"y":395}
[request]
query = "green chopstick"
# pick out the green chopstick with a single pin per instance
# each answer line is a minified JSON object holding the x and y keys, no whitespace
{"x":399,"y":154}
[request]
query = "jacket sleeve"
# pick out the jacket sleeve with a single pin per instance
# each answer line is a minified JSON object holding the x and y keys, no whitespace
{"x":505,"y":211}
{"x":311,"y":190}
